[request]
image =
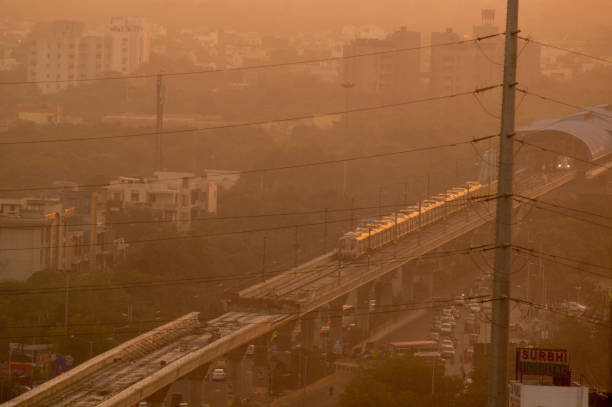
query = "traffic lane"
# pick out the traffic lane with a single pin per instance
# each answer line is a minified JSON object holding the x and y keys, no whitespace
{"x":215,"y":393}
{"x":325,"y":394}
{"x":416,"y":330}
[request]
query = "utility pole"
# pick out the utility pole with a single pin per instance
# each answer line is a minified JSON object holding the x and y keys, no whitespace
{"x":161,"y":96}
{"x":352,"y":212}
{"x":348,"y":86}
{"x":67,"y":301}
{"x":263,"y":260}
{"x":325,"y":231}
{"x":379,"y":202}
{"x":295,"y":248}
{"x":498,"y":362}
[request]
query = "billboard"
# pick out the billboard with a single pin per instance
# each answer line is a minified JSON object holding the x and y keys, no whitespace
{"x":542,"y":362}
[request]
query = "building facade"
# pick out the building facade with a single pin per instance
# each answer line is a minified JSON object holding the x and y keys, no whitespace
{"x":178,"y":197}
{"x":390,"y":75}
{"x":63,"y":51}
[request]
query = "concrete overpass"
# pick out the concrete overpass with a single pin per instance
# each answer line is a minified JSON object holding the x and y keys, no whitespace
{"x":144,"y":367}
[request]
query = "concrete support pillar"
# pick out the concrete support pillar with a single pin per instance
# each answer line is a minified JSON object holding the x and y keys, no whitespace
{"x":195,"y":385}
{"x":384,"y":300}
{"x":407,"y":284}
{"x":236,"y":376}
{"x":363,"y":309}
{"x":308,"y":327}
{"x":335,"y":318}
{"x":157,"y":399}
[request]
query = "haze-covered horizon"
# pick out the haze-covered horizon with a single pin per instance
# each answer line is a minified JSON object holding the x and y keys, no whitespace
{"x":541,"y":18}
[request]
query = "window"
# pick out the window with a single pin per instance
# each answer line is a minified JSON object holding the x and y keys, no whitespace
{"x":135,"y":196}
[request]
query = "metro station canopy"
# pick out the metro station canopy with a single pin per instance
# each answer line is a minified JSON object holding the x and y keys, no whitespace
{"x":591,"y":126}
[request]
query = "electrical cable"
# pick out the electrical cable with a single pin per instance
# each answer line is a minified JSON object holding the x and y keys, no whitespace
{"x":252,"y":67}
{"x":284,"y":167}
{"x":561,"y":102}
{"x":184,"y":237}
{"x":534,"y":253}
{"x":220,"y":218}
{"x":360,"y":311}
{"x":571,"y":51}
{"x":539,"y":201}
{"x":567,"y":215}
{"x":205,"y":280}
{"x":562,"y":153}
{"x":252,"y":123}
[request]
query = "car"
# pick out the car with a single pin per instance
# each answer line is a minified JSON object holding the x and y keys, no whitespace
{"x":324,"y":330}
{"x":435,"y":336}
{"x":448,"y":354}
{"x":474,"y":307}
{"x":447,"y":343}
{"x":437,"y":325}
{"x":446,"y":328}
{"x":218,"y":374}
{"x":250,"y":351}
{"x":460,"y":299}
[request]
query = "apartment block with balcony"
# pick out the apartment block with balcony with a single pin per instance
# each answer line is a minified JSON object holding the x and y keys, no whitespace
{"x":178,"y":197}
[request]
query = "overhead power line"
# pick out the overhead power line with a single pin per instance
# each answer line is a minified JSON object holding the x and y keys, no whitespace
{"x":252,"y":67}
{"x":284,"y":167}
{"x":186,"y":237}
{"x":540,"y":201}
{"x":235,"y":217}
{"x":564,"y":103}
{"x":333,"y":267}
{"x":538,"y":206}
{"x":556,"y":256}
{"x":568,"y":50}
{"x":359,"y":311}
{"x":562,"y":153}
{"x":251,"y":123}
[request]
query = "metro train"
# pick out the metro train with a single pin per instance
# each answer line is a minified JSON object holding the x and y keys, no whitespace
{"x":382,"y":231}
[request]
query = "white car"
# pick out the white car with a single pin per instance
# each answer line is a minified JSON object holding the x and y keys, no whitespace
{"x":218,"y":374}
{"x":474,"y":307}
{"x":446,"y":328}
{"x":448,"y":354}
{"x":446,"y":343}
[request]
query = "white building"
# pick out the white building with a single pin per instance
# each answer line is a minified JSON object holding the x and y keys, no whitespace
{"x":129,"y":43}
{"x":179,"y":197}
{"x":529,"y":395}
{"x":63,"y":51}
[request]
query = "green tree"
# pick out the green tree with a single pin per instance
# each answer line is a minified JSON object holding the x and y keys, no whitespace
{"x":401,"y":380}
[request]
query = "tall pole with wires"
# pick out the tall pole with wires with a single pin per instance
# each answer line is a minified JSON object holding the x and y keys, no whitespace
{"x":498,"y":363}
{"x":160,"y":121}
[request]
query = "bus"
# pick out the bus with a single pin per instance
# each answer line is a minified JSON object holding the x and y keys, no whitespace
{"x":412,"y":347}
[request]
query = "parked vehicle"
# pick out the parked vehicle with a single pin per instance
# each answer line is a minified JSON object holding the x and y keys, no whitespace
{"x":218,"y":374}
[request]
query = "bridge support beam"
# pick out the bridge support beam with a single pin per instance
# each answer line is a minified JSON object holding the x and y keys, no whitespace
{"x":308,"y":327}
{"x":362,"y":311}
{"x":384,"y":300}
{"x":157,"y":399}
{"x":236,"y":376}
{"x":195,"y":384}
{"x":335,"y":318}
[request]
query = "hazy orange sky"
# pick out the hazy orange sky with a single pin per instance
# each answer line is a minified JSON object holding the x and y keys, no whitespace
{"x":541,"y":18}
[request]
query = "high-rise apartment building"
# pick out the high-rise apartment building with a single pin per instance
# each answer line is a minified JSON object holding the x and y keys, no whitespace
{"x":52,"y":54}
{"x":390,"y":75}
{"x":62,"y":51}
{"x":129,"y":43}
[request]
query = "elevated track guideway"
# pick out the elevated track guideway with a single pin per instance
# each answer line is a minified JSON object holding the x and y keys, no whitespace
{"x":137,"y":369}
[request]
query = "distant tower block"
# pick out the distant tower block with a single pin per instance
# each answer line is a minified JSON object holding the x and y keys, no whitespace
{"x":488,"y":16}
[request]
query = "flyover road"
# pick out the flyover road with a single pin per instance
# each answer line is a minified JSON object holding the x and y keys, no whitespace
{"x":125,"y":375}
